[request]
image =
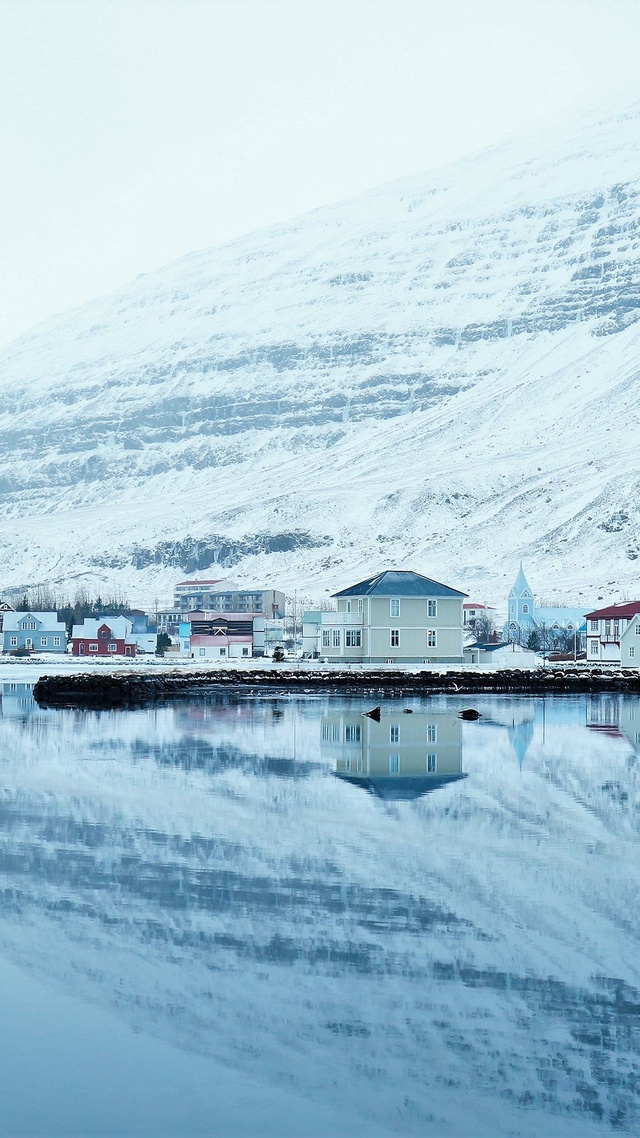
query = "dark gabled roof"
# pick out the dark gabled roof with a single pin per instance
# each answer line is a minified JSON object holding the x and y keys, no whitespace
{"x":400,"y":787}
{"x":488,"y":647}
{"x":627,"y":609}
{"x":399,"y":583}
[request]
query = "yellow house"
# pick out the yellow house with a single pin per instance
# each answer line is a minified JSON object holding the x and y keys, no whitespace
{"x":397,"y":617}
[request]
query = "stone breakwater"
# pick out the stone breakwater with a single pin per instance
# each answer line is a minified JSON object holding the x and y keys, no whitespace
{"x":135,"y":690}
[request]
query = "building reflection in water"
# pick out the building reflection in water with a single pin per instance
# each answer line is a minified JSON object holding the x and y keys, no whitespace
{"x":617,"y":716}
{"x":18,"y":701}
{"x":402,"y":756}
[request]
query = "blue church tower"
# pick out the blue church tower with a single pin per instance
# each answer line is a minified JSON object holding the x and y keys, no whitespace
{"x":521,"y":606}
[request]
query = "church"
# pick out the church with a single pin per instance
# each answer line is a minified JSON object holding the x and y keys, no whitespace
{"x":555,"y":626}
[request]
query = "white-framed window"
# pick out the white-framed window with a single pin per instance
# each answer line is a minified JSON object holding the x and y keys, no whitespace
{"x":326,"y":732}
{"x":28,"y":642}
{"x":326,"y":638}
{"x":512,"y":608}
{"x":56,"y":642}
{"x":525,"y":608}
{"x":353,"y":638}
{"x":93,"y":647}
{"x":113,"y":647}
{"x":432,"y":733}
{"x":360,"y":605}
{"x":594,"y":647}
{"x":348,"y":606}
{"x":394,"y":764}
{"x":595,"y":625}
{"x":33,"y":624}
{"x":223,"y":651}
{"x":607,"y":628}
{"x":394,"y":606}
{"x":389,"y":660}
{"x":245,"y":651}
{"x":352,"y":733}
{"x":13,"y":643}
{"x":432,"y":607}
{"x":43,"y":642}
{"x":432,"y":762}
{"x":201,"y":651}
{"x":638,"y":629}
{"x":335,"y":732}
{"x":432,"y":638}
{"x":632,"y":652}
{"x":394,"y":733}
{"x":335,"y":637}
{"x":395,"y":638}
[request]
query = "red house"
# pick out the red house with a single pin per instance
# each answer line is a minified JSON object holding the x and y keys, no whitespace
{"x":106,"y":636}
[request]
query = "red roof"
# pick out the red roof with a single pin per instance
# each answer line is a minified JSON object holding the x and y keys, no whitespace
{"x":472,"y":605}
{"x":216,"y":581}
{"x":626,"y":610}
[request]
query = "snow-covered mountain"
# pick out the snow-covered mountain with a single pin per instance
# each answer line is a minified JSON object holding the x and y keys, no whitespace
{"x":441,"y":373}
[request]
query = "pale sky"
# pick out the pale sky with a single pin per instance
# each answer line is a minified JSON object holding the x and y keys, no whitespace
{"x":134,"y":131}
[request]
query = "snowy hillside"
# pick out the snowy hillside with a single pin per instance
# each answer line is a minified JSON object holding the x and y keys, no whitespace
{"x":441,"y":373}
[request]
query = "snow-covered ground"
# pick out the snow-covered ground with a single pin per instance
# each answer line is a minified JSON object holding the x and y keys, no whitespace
{"x":465,"y":963}
{"x":441,"y":373}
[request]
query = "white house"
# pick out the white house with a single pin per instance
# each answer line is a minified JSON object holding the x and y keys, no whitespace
{"x":613,"y":635}
{"x":396,"y":617}
{"x":511,"y":655}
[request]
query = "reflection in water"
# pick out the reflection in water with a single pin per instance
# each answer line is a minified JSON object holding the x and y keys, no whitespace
{"x":402,"y":756}
{"x":463,"y":962}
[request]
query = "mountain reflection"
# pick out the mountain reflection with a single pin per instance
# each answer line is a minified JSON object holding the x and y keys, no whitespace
{"x":401,"y":757}
{"x":198,"y":869}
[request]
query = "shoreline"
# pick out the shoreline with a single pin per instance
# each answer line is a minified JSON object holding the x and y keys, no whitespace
{"x":96,"y":691}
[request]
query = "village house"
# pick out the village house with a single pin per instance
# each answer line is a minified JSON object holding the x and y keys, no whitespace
{"x":396,"y":617}
{"x":499,"y":655}
{"x":104,"y":636}
{"x":475,"y":613}
{"x":33,"y":632}
{"x":212,"y":635}
{"x":613,"y":635}
{"x":4,"y":608}
{"x":220,"y":596}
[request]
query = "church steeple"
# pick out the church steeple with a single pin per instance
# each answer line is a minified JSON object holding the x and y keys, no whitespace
{"x":521,"y":585}
{"x":521,"y":603}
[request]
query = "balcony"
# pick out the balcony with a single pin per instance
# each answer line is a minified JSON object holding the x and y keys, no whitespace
{"x":339,"y":619}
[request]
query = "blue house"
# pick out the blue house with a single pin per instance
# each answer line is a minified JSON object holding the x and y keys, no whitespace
{"x":33,"y":631}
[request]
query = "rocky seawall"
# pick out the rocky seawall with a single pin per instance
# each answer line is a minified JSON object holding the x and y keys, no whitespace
{"x":135,"y":690}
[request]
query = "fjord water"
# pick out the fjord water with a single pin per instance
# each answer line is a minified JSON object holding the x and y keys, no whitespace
{"x":252,"y":915}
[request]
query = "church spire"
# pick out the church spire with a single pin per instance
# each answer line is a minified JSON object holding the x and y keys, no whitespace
{"x":521,"y":585}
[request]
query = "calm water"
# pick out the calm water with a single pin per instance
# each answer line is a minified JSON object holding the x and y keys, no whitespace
{"x":273,"y":916}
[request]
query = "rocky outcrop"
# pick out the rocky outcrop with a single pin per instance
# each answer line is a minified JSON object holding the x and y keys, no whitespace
{"x":134,"y":690}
